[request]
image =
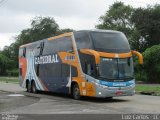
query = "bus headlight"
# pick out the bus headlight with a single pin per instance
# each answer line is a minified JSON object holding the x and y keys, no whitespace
{"x":99,"y":93}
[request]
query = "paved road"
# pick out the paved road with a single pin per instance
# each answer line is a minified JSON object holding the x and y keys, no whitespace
{"x":44,"y":103}
{"x":10,"y":87}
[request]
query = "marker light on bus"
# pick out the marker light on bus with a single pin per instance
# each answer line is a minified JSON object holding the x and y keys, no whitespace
{"x":100,"y":93}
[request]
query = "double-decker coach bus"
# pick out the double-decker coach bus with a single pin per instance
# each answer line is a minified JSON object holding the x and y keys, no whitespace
{"x":96,"y":63}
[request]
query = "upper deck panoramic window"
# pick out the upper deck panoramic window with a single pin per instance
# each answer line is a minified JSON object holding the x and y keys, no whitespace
{"x":110,"y":42}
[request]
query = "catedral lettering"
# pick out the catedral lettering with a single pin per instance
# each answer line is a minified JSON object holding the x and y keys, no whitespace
{"x":46,"y":59}
{"x":95,"y":63}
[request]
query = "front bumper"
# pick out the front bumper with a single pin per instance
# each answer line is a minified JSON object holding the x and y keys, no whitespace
{"x":105,"y":91}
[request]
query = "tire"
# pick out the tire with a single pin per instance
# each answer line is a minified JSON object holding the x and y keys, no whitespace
{"x":76,"y":92}
{"x":109,"y":98}
{"x":33,"y":87}
{"x":28,"y":87}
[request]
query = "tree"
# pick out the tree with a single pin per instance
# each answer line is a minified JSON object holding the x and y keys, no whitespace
{"x":41,"y":28}
{"x":147,"y":22}
{"x":61,"y":31}
{"x":4,"y":63}
{"x":118,"y":17}
{"x":152,"y":63}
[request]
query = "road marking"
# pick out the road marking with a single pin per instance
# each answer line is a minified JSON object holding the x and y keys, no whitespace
{"x":15,"y":95}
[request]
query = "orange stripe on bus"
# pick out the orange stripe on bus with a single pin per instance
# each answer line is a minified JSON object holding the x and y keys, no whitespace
{"x":115,"y":55}
{"x":92,"y":52}
{"x":59,"y":36}
{"x":104,"y":54}
{"x":139,"y":55}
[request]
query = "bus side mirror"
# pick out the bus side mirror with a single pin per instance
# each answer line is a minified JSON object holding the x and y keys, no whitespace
{"x":139,"y":56}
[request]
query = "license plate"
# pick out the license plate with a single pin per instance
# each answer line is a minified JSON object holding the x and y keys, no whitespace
{"x":119,"y":93}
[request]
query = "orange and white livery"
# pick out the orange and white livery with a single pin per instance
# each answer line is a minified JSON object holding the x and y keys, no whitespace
{"x":96,"y":63}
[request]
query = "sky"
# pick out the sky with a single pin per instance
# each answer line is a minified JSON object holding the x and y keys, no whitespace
{"x":16,"y":15}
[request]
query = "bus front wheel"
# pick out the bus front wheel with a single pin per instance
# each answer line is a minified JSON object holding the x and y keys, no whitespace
{"x":76,"y":92}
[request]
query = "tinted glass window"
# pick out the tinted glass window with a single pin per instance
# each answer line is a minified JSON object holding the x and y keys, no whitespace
{"x":21,"y":52}
{"x":50,"y":47}
{"x":89,"y":69}
{"x":37,"y":49}
{"x":64,"y":44}
{"x":66,"y":71}
{"x":116,"y":68}
{"x":110,"y":42}
{"x":58,"y":45}
{"x":83,"y":40}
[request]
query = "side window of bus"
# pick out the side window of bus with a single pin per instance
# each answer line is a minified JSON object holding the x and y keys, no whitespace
{"x":66,"y":71}
{"x":74,"y":71}
{"x":65,"y":44}
{"x":39,"y":52}
{"x":20,"y":52}
{"x":23,"y":52}
{"x":62,"y":44}
{"x":39,"y":49}
{"x":83,"y":40}
{"x":50,"y":47}
{"x":89,"y":69}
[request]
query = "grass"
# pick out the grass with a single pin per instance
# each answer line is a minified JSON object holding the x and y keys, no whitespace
{"x":9,"y":79}
{"x":150,"y":89}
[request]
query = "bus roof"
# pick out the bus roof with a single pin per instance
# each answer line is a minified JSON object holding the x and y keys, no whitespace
{"x":99,"y":30}
{"x":69,"y":33}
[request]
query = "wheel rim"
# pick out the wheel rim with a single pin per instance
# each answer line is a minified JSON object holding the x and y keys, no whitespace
{"x":76,"y":92}
{"x":33,"y":88}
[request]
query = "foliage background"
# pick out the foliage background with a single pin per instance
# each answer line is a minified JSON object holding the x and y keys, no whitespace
{"x":140,"y":25}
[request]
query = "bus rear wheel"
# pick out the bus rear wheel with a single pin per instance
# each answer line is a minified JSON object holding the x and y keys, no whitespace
{"x":33,"y":87}
{"x":76,"y":92}
{"x":28,"y":86}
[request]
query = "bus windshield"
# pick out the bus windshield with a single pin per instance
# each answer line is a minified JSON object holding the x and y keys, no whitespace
{"x":116,"y":68}
{"x":110,"y":42}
